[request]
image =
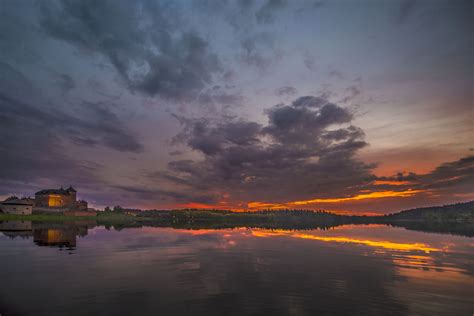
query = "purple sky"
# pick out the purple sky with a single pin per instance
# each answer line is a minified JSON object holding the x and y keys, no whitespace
{"x":358,"y":106}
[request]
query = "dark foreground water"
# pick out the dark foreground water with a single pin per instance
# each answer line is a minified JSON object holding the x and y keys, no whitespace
{"x":349,"y":270}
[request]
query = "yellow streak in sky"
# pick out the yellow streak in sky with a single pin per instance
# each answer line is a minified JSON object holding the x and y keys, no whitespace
{"x":382,"y":182}
{"x":365,"y":196}
{"x":372,"y":195}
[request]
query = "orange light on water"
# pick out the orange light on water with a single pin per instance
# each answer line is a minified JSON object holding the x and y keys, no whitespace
{"x":372,"y":243}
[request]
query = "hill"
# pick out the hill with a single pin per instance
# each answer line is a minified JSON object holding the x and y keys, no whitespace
{"x":460,"y":212}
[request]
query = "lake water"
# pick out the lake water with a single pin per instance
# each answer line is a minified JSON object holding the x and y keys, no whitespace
{"x":349,"y":270}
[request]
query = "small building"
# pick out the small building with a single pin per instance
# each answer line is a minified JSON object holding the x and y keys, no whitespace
{"x":82,"y":205}
{"x":17,"y":206}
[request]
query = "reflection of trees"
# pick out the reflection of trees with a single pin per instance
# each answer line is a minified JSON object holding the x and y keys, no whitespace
{"x":453,"y":228}
{"x":291,"y":220}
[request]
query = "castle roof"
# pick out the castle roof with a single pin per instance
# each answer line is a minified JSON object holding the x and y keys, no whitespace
{"x":17,"y":202}
{"x":71,"y":189}
{"x":59,"y":191}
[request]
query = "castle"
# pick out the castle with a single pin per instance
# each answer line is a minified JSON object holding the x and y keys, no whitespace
{"x":59,"y":199}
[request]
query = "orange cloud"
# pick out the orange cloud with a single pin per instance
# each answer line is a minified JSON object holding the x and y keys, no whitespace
{"x":382,"y":182}
{"x":198,"y":205}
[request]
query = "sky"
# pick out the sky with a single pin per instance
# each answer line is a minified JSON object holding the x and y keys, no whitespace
{"x":349,"y":106}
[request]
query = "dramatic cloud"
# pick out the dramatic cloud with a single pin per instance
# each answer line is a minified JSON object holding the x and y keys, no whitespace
{"x":143,"y":40}
{"x":455,"y":177}
{"x":33,"y":142}
{"x":305,"y":156}
{"x":89,"y":89}
{"x":104,"y":129}
{"x":303,"y":151}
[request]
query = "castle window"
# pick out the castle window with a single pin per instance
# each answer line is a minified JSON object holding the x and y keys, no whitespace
{"x":54,"y":200}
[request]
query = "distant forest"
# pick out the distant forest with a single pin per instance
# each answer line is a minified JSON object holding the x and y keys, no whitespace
{"x":454,"y":219}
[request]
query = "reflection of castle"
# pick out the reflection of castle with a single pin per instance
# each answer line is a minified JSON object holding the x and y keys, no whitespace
{"x":59,"y":198}
{"x":53,"y":235}
{"x":13,"y":229}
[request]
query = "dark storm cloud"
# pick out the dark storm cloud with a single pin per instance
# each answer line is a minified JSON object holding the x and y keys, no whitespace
{"x":32,"y":140}
{"x":306,"y":150}
{"x":36,"y":135}
{"x":300,"y":122}
{"x":210,"y":140}
{"x":34,"y":149}
{"x":143,"y":40}
{"x":30,"y":151}
{"x":97,"y":126}
{"x":309,"y":102}
{"x":294,"y":156}
{"x":135,"y":192}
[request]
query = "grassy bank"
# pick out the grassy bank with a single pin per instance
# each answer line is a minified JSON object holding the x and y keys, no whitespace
{"x":179,"y":218}
{"x":457,"y":219}
{"x":214,"y":219}
{"x":64,"y":218}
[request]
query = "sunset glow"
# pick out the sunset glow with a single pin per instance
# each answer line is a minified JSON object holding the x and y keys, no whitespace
{"x":371,"y":243}
{"x":255,"y":110}
{"x":236,"y":157}
{"x":365,"y":196}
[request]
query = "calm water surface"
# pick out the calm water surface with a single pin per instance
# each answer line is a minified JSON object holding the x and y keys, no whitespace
{"x":349,"y":270}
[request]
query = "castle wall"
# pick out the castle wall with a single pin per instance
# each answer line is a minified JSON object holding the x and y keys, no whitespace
{"x":41,"y":200}
{"x":17,"y":209}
